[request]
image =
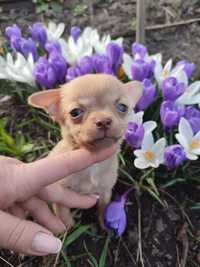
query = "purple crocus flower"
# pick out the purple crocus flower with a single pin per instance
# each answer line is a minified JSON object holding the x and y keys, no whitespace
{"x":13,"y":30}
{"x":85,"y":65}
{"x":141,"y":69}
{"x":188,"y":67}
{"x":101,"y":64}
{"x":59,"y":64}
{"x":170,"y":114}
{"x":28,"y":46}
{"x":134,"y":134}
{"x":174,"y":156}
{"x":148,"y":96}
{"x":73,"y":72}
{"x":139,"y":50}
{"x":115,"y":216}
{"x":38,"y":33}
{"x":172,"y":89}
{"x":75,"y":33}
{"x":15,"y":43}
{"x":45,"y":73}
{"x":115,"y":54}
{"x":193,"y":116}
{"x":53,"y":46}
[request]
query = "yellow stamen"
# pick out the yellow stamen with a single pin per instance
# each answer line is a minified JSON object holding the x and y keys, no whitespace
{"x":195,"y":144}
{"x":149,"y":155}
{"x":121,"y":73}
{"x":165,"y":73}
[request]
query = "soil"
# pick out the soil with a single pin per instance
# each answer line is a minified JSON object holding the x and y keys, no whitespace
{"x":170,"y":234}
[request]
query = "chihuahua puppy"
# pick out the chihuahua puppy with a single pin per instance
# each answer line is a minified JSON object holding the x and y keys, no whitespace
{"x":93,"y":112}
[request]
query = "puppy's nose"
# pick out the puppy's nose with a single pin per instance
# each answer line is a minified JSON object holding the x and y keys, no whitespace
{"x":103,"y":124}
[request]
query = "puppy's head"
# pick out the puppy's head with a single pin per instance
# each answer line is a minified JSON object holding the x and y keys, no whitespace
{"x":92,"y":110}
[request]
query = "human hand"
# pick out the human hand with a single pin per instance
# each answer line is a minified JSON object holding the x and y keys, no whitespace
{"x":29,"y":187}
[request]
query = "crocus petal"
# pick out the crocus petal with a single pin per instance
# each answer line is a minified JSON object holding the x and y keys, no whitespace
{"x":127,"y":65}
{"x":141,"y":164}
{"x":149,"y":126}
{"x":147,"y":142}
{"x":122,"y":224}
{"x":185,"y":129}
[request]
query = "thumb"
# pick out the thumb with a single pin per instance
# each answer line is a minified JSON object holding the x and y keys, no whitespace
{"x":26,"y":237}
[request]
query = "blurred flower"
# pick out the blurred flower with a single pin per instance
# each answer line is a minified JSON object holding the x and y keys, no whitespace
{"x":53,"y":46}
{"x":188,"y":67}
{"x":134,"y":134}
{"x":193,"y":116}
{"x":161,"y":73}
{"x":72,"y":73}
{"x":28,"y":46}
{"x":151,"y":154}
{"x":174,"y":156}
{"x":101,"y":64}
{"x":170,"y":114}
{"x":115,"y":216}
{"x":189,"y":141}
{"x":15,"y":43}
{"x":100,"y":44}
{"x":75,"y":32}
{"x":54,"y":32}
{"x":114,"y":53}
{"x":172,"y":89}
{"x":59,"y":64}
{"x":84,"y":66}
{"x":20,"y":70}
{"x":148,"y":96}
{"x":74,"y":51}
{"x":13,"y":30}
{"x":138,"y":69}
{"x":45,"y":73}
{"x":139,"y":51}
{"x":191,"y":95}
{"x":137,"y":129}
{"x":38,"y":33}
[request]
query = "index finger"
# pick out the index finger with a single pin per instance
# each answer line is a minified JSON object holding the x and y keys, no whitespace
{"x":32,"y":177}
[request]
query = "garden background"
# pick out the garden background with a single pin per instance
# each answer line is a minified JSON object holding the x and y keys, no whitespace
{"x":163,"y":230}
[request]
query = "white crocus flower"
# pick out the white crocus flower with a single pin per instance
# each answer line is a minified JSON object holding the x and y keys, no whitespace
{"x":191,"y":95}
{"x":189,"y":141}
{"x":149,"y":126}
{"x":151,"y":154}
{"x":161,"y":73}
{"x":20,"y":70}
{"x":2,"y":68}
{"x":101,"y":43}
{"x":74,"y":51}
{"x":127,"y":63}
{"x":54,"y":32}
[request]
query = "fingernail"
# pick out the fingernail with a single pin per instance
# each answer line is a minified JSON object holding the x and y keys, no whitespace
{"x":44,"y":243}
{"x":95,"y":195}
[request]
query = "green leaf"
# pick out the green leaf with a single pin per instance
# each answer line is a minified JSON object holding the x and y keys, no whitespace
{"x":75,"y":235}
{"x":102,"y":261}
{"x":153,"y":194}
{"x":173,"y":182}
{"x":56,"y":7}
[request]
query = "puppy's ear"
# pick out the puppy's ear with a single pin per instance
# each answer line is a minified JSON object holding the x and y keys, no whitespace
{"x":134,"y":89}
{"x":48,"y":100}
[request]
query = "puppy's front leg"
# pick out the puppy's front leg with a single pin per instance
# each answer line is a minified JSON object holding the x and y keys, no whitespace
{"x":64,"y":214}
{"x":104,"y":200}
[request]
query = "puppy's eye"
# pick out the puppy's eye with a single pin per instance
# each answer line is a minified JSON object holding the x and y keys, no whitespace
{"x":76,"y":113}
{"x":121,"y":108}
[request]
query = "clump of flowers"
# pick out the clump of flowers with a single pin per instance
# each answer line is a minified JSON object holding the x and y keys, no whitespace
{"x":164,"y":127}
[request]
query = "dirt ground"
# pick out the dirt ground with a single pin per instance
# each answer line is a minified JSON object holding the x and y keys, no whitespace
{"x":170,"y":235}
